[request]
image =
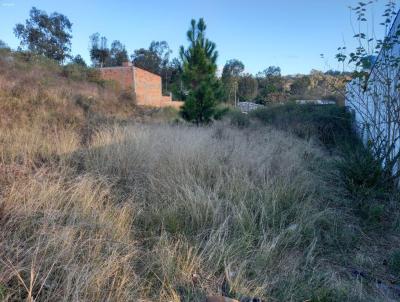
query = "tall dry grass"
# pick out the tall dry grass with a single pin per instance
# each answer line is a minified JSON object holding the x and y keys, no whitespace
{"x":142,"y":209}
{"x":93,"y":212}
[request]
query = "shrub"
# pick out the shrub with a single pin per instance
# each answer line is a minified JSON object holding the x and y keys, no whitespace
{"x":30,"y":59}
{"x":78,"y":72}
{"x":239,"y":119}
{"x":365,"y":182}
{"x":84,"y":102}
{"x":331,"y":124}
{"x":93,"y":75}
{"x":4,"y":52}
{"x":169,"y":114}
{"x":220,"y":112}
{"x":75,"y":72}
{"x":127,"y":96}
{"x":361,"y":172}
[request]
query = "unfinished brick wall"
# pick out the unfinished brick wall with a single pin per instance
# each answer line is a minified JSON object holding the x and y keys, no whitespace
{"x":147,"y":86}
{"x":122,"y":75}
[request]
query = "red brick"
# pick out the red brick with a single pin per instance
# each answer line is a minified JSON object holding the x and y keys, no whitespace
{"x":146,"y":85}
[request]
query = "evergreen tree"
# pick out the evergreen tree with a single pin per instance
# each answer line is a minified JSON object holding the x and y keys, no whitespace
{"x":199,"y":75}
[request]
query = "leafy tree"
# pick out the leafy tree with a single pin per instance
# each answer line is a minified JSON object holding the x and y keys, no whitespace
{"x":232,"y":68}
{"x":230,"y":78}
{"x":146,"y":59}
{"x":270,"y":82}
{"x":48,"y":35}
{"x":300,"y":86}
{"x":199,"y":75}
{"x":99,"y":52}
{"x":173,"y":81}
{"x":153,"y":59}
{"x":156,"y":59}
{"x":248,"y":87}
{"x":78,"y":60}
{"x":118,"y":54}
{"x":272,"y":71}
{"x":162,"y":50}
{"x":265,"y":89}
{"x":102,"y":56}
{"x":334,"y":73}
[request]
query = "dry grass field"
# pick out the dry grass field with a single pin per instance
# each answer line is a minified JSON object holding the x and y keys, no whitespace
{"x":98,"y":205}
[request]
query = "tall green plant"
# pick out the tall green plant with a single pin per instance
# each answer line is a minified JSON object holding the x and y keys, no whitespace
{"x":199,"y":75}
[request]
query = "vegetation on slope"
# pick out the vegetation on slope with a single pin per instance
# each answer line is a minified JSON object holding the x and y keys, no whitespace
{"x":37,"y":92}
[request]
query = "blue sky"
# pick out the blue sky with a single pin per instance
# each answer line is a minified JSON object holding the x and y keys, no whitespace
{"x":288,"y":33}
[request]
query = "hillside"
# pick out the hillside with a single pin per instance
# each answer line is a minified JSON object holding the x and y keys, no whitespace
{"x":103,"y":201}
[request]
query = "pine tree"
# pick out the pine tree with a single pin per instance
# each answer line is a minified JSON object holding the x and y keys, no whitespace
{"x":199,"y":75}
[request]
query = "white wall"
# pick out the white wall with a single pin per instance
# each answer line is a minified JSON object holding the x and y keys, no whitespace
{"x":376,"y":118}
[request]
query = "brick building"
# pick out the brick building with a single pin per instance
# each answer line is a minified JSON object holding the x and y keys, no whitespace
{"x":146,"y":86}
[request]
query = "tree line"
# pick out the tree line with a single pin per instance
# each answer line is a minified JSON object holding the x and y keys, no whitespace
{"x":192,"y":77}
{"x":270,"y":86}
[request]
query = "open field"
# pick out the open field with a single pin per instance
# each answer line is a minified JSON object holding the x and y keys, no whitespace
{"x":101,"y":202}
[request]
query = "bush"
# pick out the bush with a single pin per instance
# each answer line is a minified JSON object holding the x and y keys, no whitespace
{"x":365,"y":181}
{"x":220,"y":112}
{"x":93,"y":75}
{"x":361,"y":171}
{"x":331,"y":124}
{"x":239,"y":119}
{"x":28,"y":59}
{"x":165,"y":114}
{"x":127,"y":96}
{"x":338,"y":99}
{"x":75,"y":72}
{"x":84,"y":102}
{"x":78,"y":72}
{"x":4,"y":52}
